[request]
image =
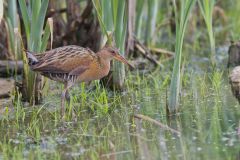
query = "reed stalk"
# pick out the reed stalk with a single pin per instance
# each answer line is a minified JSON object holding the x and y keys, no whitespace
{"x":37,"y":38}
{"x":12,"y":25}
{"x":117,"y":24}
{"x":207,"y":7}
{"x":181,"y":19}
{"x":152,"y":11}
{"x":139,"y":14}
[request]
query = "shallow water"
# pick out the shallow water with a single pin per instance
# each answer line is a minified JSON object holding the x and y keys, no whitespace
{"x":106,"y":128}
{"x":100,"y":124}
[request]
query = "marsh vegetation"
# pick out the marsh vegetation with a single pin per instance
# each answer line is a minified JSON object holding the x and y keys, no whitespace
{"x":176,"y":103}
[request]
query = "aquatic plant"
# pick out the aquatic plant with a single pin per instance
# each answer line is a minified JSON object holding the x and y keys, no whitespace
{"x":116,"y":22}
{"x":207,"y":7}
{"x":33,"y":18}
{"x":182,"y":17}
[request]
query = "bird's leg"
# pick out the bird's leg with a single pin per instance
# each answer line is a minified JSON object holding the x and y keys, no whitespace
{"x":67,"y":96}
{"x":63,"y":99}
{"x":67,"y":85}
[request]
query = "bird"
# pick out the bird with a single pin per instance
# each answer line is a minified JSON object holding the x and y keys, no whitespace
{"x":71,"y":64}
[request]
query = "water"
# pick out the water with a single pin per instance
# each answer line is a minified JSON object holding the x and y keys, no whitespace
{"x":208,"y":122}
{"x":103,"y":124}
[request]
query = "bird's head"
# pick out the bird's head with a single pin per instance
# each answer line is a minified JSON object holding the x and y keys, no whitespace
{"x":113,"y":53}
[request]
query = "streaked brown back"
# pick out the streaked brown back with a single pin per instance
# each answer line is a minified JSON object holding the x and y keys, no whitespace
{"x":65,"y":59}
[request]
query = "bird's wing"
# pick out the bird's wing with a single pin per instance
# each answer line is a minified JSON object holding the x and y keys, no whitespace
{"x":68,"y":59}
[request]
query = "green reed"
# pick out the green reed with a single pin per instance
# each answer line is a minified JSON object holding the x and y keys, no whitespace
{"x":37,"y":37}
{"x":207,"y":7}
{"x":116,"y":22}
{"x":182,"y":17}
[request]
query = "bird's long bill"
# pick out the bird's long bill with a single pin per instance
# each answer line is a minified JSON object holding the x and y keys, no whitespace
{"x":122,"y":59}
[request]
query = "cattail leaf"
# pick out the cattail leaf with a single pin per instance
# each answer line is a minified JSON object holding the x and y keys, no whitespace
{"x":139,"y":13}
{"x":118,"y":26}
{"x":181,"y":24}
{"x":48,"y":31}
{"x":25,"y":17}
{"x":206,"y":7}
{"x":37,"y":27}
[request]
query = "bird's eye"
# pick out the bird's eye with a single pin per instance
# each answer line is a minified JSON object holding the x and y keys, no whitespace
{"x":113,"y":52}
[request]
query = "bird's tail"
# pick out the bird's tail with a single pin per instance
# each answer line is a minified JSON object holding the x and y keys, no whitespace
{"x":32,"y":59}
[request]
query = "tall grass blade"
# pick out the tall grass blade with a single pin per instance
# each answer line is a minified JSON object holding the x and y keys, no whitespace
{"x":131,"y":10}
{"x":117,"y":23}
{"x":207,"y":7}
{"x":107,"y":18}
{"x":98,"y":8}
{"x":37,"y":26}
{"x":10,"y":36}
{"x":12,"y":10}
{"x":151,"y":20}
{"x":114,"y":11}
{"x":48,"y":31}
{"x":181,"y":23}
{"x":139,"y":13}
{"x":36,"y":42}
{"x":26,"y":19}
{"x":120,"y":36}
{"x":12,"y":23}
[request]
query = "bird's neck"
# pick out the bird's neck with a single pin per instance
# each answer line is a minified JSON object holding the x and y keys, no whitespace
{"x":104,"y":62}
{"x":104,"y":66}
